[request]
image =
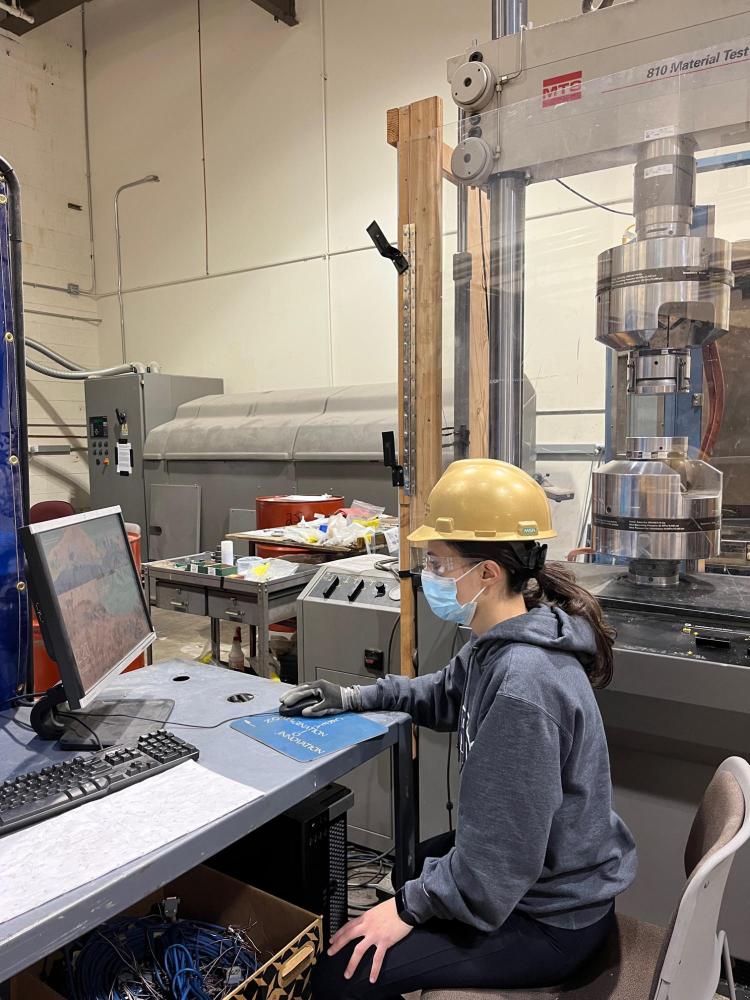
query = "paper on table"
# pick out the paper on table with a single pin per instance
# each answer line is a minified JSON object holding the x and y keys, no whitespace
{"x":67,"y":851}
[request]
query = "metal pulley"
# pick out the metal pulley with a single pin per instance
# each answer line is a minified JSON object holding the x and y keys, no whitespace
{"x":472,"y":161}
{"x":473,"y":85}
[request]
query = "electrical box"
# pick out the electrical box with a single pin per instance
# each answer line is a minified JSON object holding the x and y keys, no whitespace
{"x":120,"y":412}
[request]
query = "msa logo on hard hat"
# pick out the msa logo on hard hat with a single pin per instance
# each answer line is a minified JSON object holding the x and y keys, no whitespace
{"x":528,"y":528}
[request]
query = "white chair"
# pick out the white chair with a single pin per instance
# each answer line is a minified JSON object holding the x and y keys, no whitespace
{"x":643,"y":962}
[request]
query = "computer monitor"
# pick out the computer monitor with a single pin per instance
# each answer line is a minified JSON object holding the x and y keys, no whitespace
{"x":95,"y":621}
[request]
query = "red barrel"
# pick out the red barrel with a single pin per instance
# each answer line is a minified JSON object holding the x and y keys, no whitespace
{"x":283,"y":511}
{"x":134,"y":537}
{"x":46,"y":672}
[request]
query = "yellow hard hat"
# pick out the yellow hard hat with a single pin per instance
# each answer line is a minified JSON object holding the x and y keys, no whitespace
{"x":481,"y":499}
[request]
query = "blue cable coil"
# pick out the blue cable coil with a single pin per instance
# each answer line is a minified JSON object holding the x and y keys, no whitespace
{"x":152,"y":958}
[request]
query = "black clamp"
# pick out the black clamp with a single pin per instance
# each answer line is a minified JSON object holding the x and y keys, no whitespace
{"x":390,"y":460}
{"x":385,"y":249}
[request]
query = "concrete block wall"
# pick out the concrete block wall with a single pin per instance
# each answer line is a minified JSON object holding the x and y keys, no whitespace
{"x":43,"y":136}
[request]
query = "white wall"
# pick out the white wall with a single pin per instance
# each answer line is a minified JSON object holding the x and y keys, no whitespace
{"x":255,"y":266}
{"x":42,"y":123}
{"x":260,"y":271}
{"x":275,"y":285}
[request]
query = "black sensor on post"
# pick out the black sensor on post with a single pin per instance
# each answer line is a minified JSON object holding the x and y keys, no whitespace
{"x":385,"y":249}
{"x":390,"y":460}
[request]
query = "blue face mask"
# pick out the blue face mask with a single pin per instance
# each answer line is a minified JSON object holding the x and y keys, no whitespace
{"x":442,"y":596}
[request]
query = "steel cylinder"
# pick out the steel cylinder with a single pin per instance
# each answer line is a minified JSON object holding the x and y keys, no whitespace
{"x":664,"y":293}
{"x":656,"y":373}
{"x":662,"y":508}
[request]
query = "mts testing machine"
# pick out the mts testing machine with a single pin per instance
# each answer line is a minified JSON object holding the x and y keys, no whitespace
{"x":641,"y":109}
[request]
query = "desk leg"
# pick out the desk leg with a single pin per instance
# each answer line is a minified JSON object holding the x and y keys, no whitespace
{"x":404,"y":805}
{"x":216,"y":640}
{"x":150,"y":651}
{"x":263,"y":644}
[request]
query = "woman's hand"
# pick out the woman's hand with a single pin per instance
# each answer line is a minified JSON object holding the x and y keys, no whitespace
{"x":379,"y":928}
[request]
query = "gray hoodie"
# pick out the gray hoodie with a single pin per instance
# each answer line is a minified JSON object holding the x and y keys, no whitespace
{"x":536,"y":831}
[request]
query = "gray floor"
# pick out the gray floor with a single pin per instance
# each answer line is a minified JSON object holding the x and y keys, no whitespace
{"x":187,"y":637}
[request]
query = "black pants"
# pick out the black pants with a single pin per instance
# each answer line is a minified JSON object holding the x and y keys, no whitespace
{"x":445,"y":954}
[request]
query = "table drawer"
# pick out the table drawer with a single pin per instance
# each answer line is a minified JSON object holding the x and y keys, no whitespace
{"x":189,"y":600}
{"x":242,"y":610}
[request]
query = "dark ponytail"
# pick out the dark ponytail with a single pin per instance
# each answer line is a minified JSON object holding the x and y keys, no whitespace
{"x":555,"y":584}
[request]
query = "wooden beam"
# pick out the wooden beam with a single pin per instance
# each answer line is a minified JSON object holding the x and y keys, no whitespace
{"x":426,"y":188}
{"x":447,"y":156}
{"x":418,"y":133}
{"x":478,"y":227}
{"x":479,"y":343}
{"x":391,"y":126}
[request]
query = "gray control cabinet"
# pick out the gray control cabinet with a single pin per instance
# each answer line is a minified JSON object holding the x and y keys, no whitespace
{"x":145,"y":401}
{"x":349,"y":616}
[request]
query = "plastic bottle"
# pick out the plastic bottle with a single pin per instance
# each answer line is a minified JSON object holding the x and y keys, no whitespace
{"x":236,"y":656}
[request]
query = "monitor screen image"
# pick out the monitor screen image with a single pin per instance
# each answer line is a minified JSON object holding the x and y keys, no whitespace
{"x":91,"y":574}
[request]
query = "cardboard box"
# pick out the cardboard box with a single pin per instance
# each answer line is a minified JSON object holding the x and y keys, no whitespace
{"x":289,"y":939}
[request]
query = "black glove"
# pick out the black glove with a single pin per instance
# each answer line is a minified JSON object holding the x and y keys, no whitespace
{"x":320,"y":698}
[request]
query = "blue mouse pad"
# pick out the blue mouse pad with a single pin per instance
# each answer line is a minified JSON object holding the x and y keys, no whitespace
{"x":308,"y":739}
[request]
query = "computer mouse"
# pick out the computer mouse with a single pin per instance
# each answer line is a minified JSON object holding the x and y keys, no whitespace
{"x":297,"y":708}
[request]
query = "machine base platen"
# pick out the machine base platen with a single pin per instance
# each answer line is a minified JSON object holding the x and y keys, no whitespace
{"x":707,"y":597}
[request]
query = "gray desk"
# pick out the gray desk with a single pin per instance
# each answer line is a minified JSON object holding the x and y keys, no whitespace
{"x":201,"y":699}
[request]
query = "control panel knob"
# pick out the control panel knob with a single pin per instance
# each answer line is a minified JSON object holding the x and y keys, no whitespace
{"x":356,"y":591}
{"x":380,"y":589}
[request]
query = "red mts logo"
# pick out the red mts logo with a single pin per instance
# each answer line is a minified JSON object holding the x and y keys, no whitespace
{"x":561,"y":89}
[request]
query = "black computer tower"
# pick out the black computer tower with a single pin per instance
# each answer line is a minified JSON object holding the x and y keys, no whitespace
{"x":300,"y":856}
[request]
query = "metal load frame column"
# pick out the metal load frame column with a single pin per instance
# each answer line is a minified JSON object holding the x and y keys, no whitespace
{"x":462,"y":266}
{"x":507,"y":261}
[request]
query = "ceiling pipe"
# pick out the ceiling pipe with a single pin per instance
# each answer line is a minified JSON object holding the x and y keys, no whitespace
{"x":15,"y":11}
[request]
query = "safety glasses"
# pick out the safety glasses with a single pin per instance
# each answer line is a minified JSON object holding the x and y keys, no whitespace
{"x":444,"y":565}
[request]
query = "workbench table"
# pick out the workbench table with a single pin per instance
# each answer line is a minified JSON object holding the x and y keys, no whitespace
{"x":201,"y":699}
{"x":255,"y":603}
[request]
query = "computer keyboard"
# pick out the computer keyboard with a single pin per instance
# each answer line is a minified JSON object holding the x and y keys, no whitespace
{"x":36,"y":795}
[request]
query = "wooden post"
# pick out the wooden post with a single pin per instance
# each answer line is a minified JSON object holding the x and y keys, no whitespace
{"x":417,"y":132}
{"x":478,"y":226}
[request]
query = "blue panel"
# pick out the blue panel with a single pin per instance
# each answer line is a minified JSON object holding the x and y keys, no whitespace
{"x":14,"y":636}
{"x":724,"y":162}
{"x":308,"y":739}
